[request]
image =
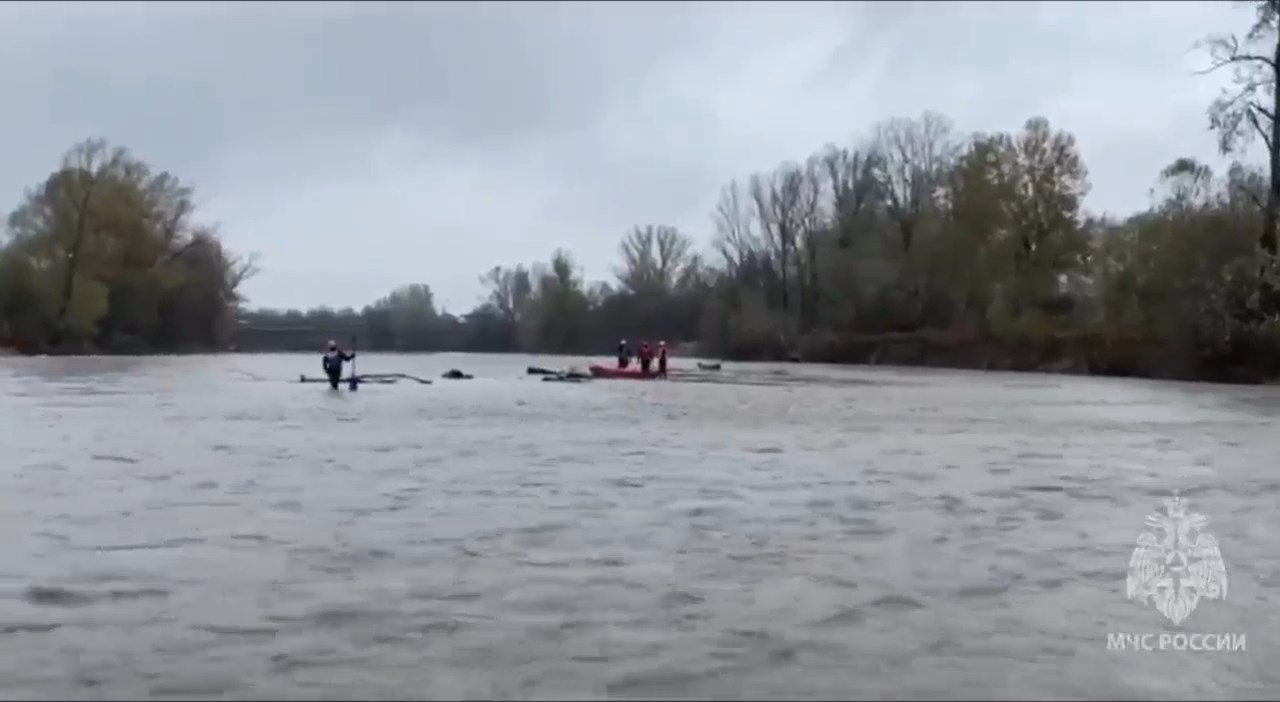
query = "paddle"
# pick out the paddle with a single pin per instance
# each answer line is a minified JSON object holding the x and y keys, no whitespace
{"x":353,"y":382}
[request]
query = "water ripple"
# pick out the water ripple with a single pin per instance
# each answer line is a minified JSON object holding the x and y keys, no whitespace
{"x":180,"y":527}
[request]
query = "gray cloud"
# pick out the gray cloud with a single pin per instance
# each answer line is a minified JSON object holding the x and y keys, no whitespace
{"x":359,"y":146}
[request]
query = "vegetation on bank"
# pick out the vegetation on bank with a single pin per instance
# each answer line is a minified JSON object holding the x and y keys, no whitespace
{"x":106,"y":253}
{"x":918,"y":245}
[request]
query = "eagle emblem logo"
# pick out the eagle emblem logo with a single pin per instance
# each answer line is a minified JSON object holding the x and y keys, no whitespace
{"x":1176,"y":563}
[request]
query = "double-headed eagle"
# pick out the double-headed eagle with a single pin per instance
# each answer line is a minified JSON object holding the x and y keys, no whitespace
{"x":1172,"y":567}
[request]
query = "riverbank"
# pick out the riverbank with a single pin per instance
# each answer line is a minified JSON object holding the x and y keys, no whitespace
{"x":1080,"y":353}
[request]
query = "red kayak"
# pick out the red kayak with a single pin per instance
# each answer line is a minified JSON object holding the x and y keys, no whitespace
{"x":615,"y":372}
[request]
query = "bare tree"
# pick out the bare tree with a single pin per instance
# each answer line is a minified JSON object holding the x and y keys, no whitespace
{"x":735,"y":224}
{"x":509,"y":290}
{"x":787,"y":208}
{"x":1184,"y":184}
{"x":915,"y":158}
{"x":1251,"y":107}
{"x":692,"y":275}
{"x":241,"y":270}
{"x":853,"y":188}
{"x":653,"y":259}
{"x":497,"y":281}
{"x":814,"y":222}
{"x":1245,"y":186}
{"x":170,"y":205}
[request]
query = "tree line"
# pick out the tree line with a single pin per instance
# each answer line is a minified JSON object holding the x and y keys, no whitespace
{"x":916,"y":244}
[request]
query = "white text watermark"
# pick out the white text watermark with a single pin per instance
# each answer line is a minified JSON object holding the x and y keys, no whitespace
{"x":1165,"y":641}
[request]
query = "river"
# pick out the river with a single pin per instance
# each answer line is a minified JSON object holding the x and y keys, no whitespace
{"x":201,"y":527}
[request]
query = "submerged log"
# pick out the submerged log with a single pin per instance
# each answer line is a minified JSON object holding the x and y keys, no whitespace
{"x":535,"y":370}
{"x":360,"y":380}
{"x":370,"y":379}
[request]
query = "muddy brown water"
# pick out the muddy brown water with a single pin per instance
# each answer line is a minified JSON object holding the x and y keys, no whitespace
{"x":202,"y":527}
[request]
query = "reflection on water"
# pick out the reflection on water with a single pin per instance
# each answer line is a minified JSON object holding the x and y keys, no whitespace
{"x":189,"y":527}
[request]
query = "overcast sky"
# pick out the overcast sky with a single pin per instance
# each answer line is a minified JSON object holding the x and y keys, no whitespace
{"x":356,"y":147}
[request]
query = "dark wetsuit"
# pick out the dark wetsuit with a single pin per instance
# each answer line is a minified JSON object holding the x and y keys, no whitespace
{"x":662,"y":362}
{"x":332,"y":364}
{"x":624,"y":356}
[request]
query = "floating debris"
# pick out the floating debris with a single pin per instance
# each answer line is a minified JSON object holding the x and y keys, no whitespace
{"x":371,"y":379}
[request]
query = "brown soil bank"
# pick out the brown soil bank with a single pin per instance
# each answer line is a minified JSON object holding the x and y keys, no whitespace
{"x":1075,"y":353}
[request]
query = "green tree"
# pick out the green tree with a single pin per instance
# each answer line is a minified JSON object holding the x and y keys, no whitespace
{"x":1043,"y":182}
{"x":558,"y":307}
{"x":410,"y":314}
{"x":105,"y":253}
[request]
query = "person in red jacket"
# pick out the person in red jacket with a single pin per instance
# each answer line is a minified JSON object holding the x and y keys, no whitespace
{"x":646,"y":357}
